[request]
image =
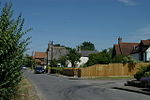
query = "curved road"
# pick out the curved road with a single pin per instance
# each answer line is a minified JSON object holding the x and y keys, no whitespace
{"x":62,"y":88}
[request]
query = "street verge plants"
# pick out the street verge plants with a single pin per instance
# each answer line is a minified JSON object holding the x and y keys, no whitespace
{"x":12,"y":47}
{"x":144,"y":71}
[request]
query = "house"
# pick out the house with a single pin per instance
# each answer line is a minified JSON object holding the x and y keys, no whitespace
{"x":54,"y":52}
{"x":84,"y":57}
{"x":142,"y":51}
{"x":40,"y":58}
{"x":123,"y":48}
{"x":139,"y":51}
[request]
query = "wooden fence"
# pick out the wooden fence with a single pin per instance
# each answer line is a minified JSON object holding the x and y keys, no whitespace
{"x":115,"y":69}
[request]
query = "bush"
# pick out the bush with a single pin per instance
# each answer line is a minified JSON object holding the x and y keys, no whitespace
{"x":123,"y":59}
{"x":103,"y":57}
{"x":143,"y":71}
{"x":12,"y":47}
{"x":56,"y":70}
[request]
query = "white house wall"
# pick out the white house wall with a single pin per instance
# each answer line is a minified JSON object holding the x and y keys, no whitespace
{"x":148,"y":54}
{"x":83,"y":60}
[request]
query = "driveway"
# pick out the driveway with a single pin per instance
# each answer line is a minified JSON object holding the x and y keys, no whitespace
{"x":52,"y":87}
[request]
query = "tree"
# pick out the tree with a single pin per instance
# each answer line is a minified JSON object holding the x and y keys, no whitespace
{"x":73,"y":57}
{"x":54,"y":63}
{"x":103,"y":57}
{"x":12,"y":47}
{"x":63,"y":60}
{"x":29,"y":61}
{"x":123,"y":59}
{"x":87,"y":46}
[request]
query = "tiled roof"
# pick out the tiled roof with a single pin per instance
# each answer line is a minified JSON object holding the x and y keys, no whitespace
{"x":146,"y":42}
{"x":142,"y":47}
{"x":40,"y":55}
{"x":124,"y":48}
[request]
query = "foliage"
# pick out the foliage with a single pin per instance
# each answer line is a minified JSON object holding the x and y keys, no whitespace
{"x":73,"y":57}
{"x":54,"y":63}
{"x":63,"y":60}
{"x":57,"y":70}
{"x":87,"y":46}
{"x":29,"y":61}
{"x":143,"y":71}
{"x":12,"y":47}
{"x":123,"y":59}
{"x":103,"y":57}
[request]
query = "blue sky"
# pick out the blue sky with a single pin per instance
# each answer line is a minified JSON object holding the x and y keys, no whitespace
{"x":70,"y":22}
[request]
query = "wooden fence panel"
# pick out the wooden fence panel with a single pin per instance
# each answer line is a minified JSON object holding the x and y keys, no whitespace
{"x":116,"y":69}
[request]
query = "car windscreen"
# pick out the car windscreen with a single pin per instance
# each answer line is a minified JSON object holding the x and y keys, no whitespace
{"x":39,"y":68}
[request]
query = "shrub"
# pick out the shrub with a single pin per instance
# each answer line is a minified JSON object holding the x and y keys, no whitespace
{"x":143,"y":71}
{"x":123,"y":59}
{"x":12,"y":47}
{"x":145,"y":79}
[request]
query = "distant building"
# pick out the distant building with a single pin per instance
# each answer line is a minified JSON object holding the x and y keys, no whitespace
{"x":55,"y":52}
{"x":142,"y":51}
{"x":139,"y":51}
{"x":123,"y":48}
{"x":40,"y":58}
{"x":84,"y":57}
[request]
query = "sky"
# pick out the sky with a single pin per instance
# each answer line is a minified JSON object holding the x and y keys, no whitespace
{"x":71,"y":22}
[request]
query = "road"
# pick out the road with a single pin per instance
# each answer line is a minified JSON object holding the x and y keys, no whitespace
{"x":53,"y":87}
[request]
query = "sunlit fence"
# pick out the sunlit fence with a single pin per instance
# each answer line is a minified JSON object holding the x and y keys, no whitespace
{"x":100,"y":70}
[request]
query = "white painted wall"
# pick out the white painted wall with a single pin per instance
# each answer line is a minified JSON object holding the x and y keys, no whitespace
{"x":83,"y":60}
{"x":148,"y":54}
{"x":136,"y":56}
{"x":69,"y":64}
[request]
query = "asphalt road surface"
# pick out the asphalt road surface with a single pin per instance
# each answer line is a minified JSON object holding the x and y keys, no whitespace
{"x":52,"y":87}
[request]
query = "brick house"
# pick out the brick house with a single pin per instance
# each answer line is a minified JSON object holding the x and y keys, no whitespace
{"x":123,"y":48}
{"x":139,"y":51}
{"x":40,"y":58}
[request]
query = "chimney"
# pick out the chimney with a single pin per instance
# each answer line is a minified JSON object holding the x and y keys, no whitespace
{"x":119,"y":40}
{"x":50,"y":45}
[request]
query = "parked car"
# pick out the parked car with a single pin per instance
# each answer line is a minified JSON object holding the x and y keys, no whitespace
{"x":39,"y":70}
{"x":24,"y":68}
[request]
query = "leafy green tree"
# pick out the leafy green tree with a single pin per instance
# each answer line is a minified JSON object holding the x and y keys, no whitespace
{"x":103,"y":57}
{"x":54,"y":63}
{"x":87,"y":46}
{"x":29,"y":61}
{"x":63,"y":60}
{"x":12,"y":47}
{"x":123,"y":59}
{"x":73,"y":57}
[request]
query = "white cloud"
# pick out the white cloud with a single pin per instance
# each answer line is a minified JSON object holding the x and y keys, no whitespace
{"x":128,"y":2}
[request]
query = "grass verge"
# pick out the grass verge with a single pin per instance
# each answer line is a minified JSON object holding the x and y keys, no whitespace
{"x":110,"y":78}
{"x":25,"y":91}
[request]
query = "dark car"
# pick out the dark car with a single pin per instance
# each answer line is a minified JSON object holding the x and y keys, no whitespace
{"x":39,"y":70}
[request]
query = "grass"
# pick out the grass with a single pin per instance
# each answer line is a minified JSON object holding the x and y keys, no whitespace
{"x":25,"y":91}
{"x":110,"y":78}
